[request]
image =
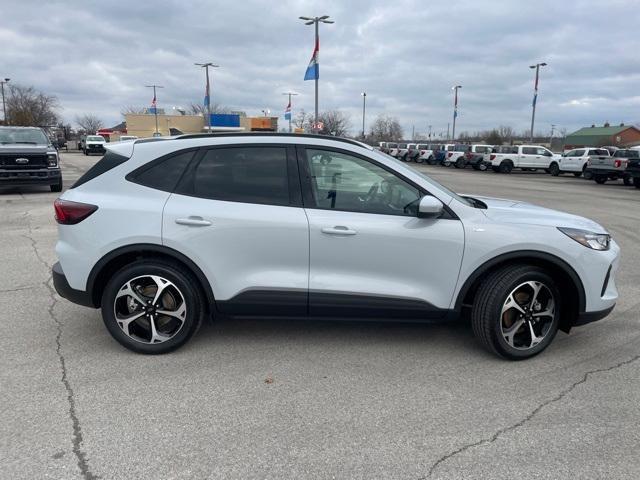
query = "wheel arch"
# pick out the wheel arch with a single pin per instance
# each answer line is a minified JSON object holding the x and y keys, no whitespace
{"x":569,"y":282}
{"x":116,"y":259}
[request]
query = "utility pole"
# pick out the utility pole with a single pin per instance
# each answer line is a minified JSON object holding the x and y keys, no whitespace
{"x":448,"y":132}
{"x":290,"y":94}
{"x":535,"y":94}
{"x":155,"y":105}
{"x":316,"y":21}
{"x":455,"y":111}
{"x":207,"y":93}
{"x":429,"y":132}
{"x":553,"y":127}
{"x":364,"y":106}
{"x":413,"y":132}
{"x":4,"y":108}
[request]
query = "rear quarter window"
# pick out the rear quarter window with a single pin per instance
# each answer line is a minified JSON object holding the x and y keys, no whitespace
{"x":109,"y":161}
{"x":163,"y":173}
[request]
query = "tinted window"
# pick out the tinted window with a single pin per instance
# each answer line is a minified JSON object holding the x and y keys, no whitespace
{"x":529,"y":151}
{"x":600,"y":151}
{"x":106,"y":163}
{"x":344,"y":182}
{"x":482,"y":149}
{"x":243,"y":174}
{"x":164,"y":174}
{"x":577,"y":153}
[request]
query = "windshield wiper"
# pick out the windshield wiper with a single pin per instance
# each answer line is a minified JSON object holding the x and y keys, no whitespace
{"x":27,"y":143}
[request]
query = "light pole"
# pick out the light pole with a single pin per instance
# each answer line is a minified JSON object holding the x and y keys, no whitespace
{"x":155,"y":105}
{"x":207,"y":94}
{"x":4,"y":108}
{"x":553,"y":127}
{"x":455,"y":111}
{"x":429,"y":132}
{"x":290,"y":94}
{"x":535,"y":94}
{"x":364,"y":109}
{"x":314,"y":60}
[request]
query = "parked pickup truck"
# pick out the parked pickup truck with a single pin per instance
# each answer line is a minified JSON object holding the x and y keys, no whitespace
{"x":27,"y":157}
{"x":575,"y":161}
{"x":94,"y":144}
{"x":526,"y":157}
{"x":604,"y":167}
{"x":478,"y":156}
{"x":633,"y":170}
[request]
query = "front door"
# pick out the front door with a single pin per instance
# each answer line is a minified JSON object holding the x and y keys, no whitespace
{"x":370,"y":256}
{"x":237,"y":213}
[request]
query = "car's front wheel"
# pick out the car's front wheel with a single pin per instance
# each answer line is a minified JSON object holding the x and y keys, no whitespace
{"x":152,"y":306}
{"x":554,"y":169}
{"x":516,"y":311}
{"x":56,"y":187}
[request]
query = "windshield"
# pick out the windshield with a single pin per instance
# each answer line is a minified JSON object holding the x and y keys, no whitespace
{"x":30,"y":136}
{"x":95,"y":138}
{"x":428,"y":179}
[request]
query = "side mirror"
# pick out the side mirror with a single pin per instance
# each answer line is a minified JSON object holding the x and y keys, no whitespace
{"x":430,"y":207}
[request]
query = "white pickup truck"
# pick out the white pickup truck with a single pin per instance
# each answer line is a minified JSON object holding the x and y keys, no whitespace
{"x":575,"y":161}
{"x":527,"y":157}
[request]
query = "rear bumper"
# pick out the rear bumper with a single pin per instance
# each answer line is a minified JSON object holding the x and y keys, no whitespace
{"x":588,"y":317}
{"x":30,"y":177}
{"x":61,"y":285}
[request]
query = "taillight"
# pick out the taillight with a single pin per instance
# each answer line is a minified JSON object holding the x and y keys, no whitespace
{"x":70,"y":213}
{"x":422,"y":152}
{"x":492,"y":157}
{"x":449,"y":154}
{"x":617,"y":163}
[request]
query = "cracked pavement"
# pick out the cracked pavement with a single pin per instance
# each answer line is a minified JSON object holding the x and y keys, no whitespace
{"x":344,"y":400}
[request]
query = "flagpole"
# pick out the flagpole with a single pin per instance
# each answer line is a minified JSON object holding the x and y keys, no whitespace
{"x":535,"y":94}
{"x":155,"y":107}
{"x":315,"y":123}
{"x":455,"y":111}
{"x":208,"y":90}
{"x":290,"y":94}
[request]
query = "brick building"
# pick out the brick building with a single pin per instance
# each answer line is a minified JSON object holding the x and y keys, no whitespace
{"x":619,"y":136}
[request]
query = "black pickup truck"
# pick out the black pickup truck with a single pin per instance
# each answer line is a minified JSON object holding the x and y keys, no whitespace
{"x":27,"y":157}
{"x":633,"y":170}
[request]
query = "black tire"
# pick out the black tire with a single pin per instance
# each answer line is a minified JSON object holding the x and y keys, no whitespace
{"x":186,"y":286}
{"x":495,"y":169}
{"x":446,"y":163}
{"x":627,"y":180}
{"x":482,"y":167}
{"x":577,"y":174}
{"x":554,"y":169}
{"x":506,"y":166}
{"x":476,"y":166}
{"x":460,"y":163}
{"x":600,"y":179}
{"x":636,"y":182}
{"x":419,"y":159}
{"x":56,"y":187}
{"x":431,"y":160}
{"x":486,"y":314}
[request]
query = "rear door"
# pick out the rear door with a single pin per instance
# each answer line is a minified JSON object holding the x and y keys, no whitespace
{"x":370,"y":256}
{"x":237,"y":213}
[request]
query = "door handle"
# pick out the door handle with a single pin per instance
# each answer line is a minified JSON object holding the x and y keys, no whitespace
{"x":193,"y":221}
{"x":338,"y":230}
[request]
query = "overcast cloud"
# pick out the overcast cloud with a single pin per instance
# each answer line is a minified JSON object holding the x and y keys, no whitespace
{"x":96,"y":57}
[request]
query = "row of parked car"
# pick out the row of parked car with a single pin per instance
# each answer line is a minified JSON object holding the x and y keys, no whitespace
{"x":599,"y":164}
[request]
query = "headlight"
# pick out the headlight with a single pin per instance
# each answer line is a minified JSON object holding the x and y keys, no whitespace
{"x":595,"y":241}
{"x":52,"y":159}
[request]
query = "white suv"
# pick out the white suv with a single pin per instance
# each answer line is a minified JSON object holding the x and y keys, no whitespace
{"x":575,"y":161}
{"x":162,"y":233}
{"x":526,"y":157}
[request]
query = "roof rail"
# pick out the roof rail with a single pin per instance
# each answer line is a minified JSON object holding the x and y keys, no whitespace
{"x":270,"y":134}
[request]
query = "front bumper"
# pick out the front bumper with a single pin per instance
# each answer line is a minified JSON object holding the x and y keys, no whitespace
{"x":587,"y":317}
{"x":48,"y":176}
{"x":61,"y":285}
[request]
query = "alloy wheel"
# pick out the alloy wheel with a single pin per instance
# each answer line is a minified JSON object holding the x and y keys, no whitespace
{"x":527,"y":315}
{"x":150,"y":309}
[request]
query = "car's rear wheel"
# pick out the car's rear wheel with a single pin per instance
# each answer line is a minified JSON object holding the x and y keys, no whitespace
{"x":636,"y":182}
{"x":506,"y":166}
{"x":627,"y":180}
{"x":152,"y":306}
{"x":554,"y":169}
{"x":600,"y":179}
{"x":516,"y":311}
{"x":460,"y":163}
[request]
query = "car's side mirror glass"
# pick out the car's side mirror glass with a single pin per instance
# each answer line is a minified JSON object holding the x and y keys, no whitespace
{"x":430,"y":207}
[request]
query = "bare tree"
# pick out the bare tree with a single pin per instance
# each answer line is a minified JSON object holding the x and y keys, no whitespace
{"x":28,"y":107}
{"x":302,"y":120}
{"x":506,"y":133}
{"x":199,"y":109}
{"x":493,"y":137}
{"x":334,"y":122}
{"x":132,"y":110}
{"x":385,"y":129}
{"x":89,"y":123}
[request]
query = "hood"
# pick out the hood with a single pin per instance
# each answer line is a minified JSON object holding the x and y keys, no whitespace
{"x":22,"y":148}
{"x":517,"y":212}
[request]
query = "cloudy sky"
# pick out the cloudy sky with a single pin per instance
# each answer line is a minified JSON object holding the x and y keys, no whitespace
{"x":97,"y":57}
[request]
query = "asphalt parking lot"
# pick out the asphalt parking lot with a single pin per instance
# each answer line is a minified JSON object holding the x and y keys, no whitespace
{"x":284,"y":399}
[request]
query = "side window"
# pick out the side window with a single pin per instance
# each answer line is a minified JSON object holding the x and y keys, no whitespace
{"x":543,"y":151}
{"x":164,"y":175}
{"x":242,"y":174}
{"x":343,"y":182}
{"x":578,"y":153}
{"x":529,"y":151}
